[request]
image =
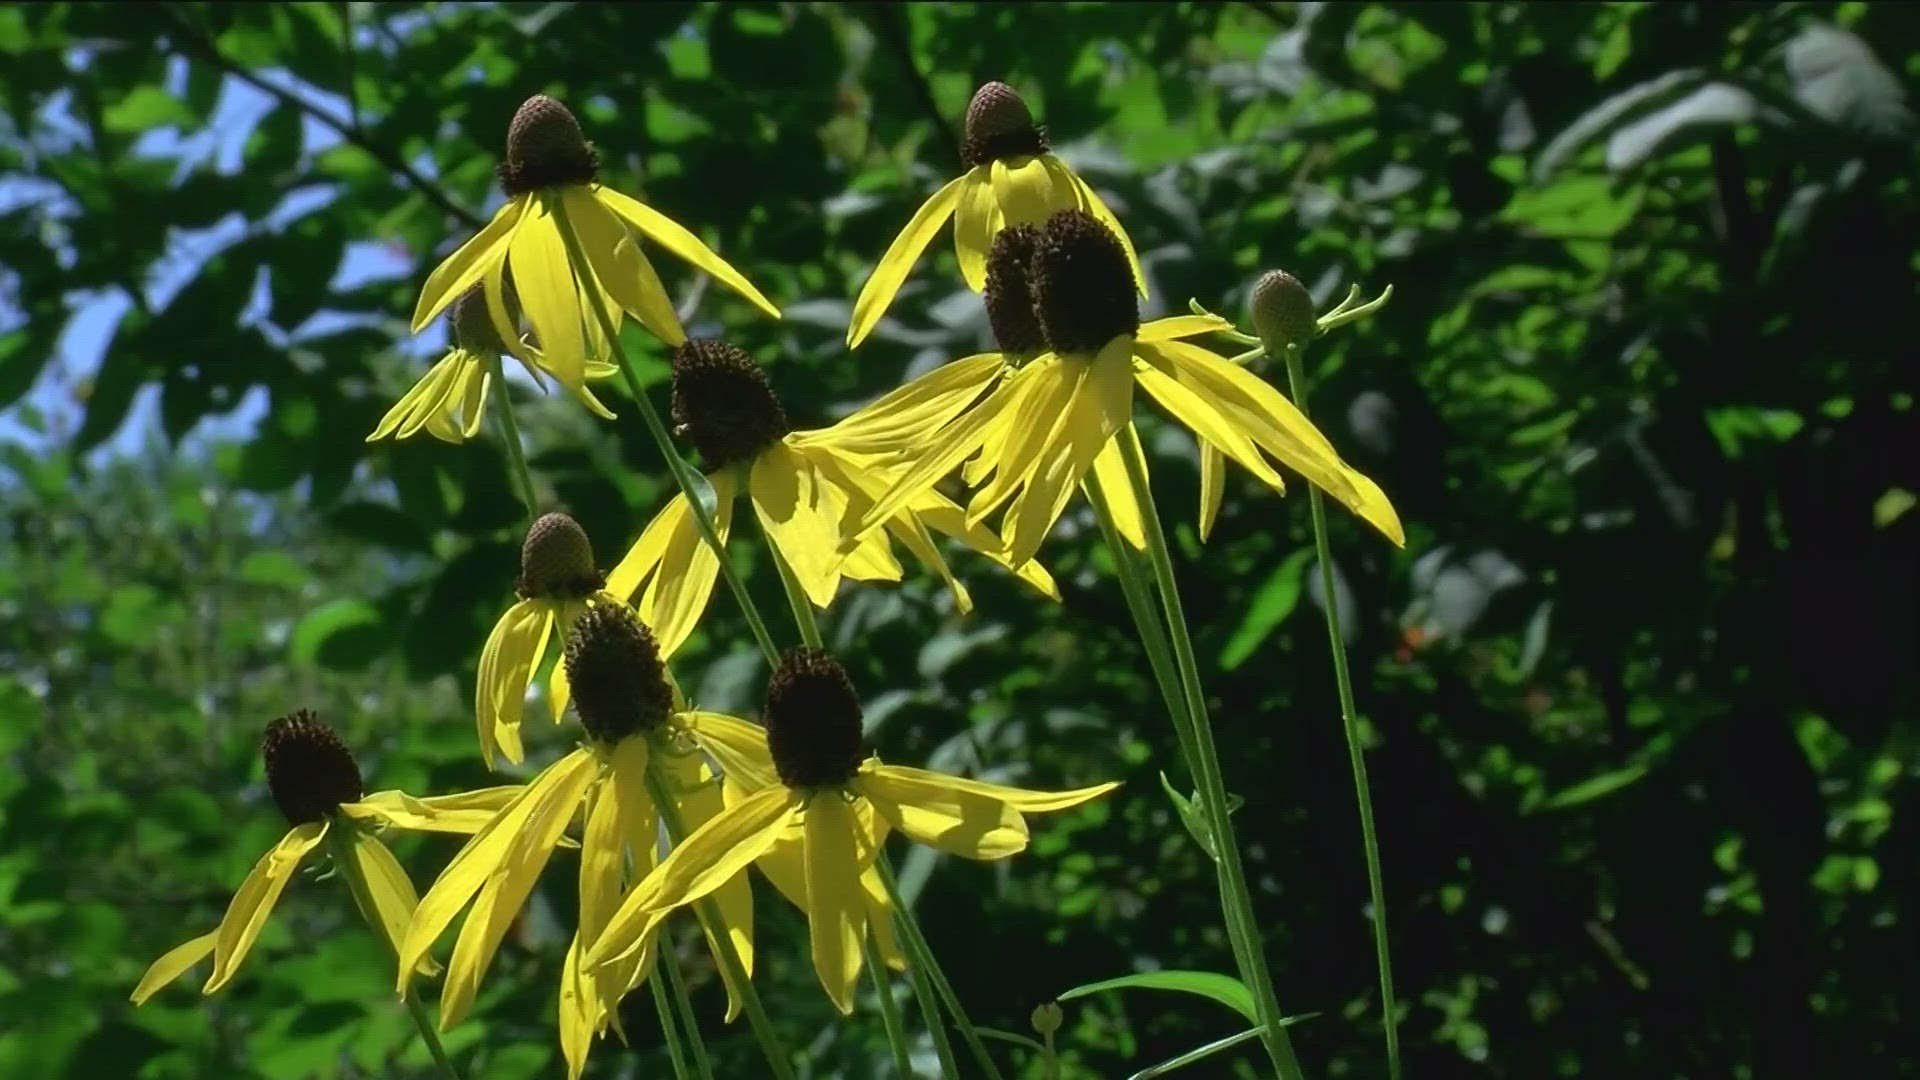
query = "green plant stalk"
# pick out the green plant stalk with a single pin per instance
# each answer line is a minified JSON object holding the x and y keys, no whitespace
{"x":683,"y":1004}
{"x":922,"y":969}
{"x":667,"y":1027}
{"x":1213,"y":793}
{"x":339,"y":846}
{"x":770,"y":1045}
{"x":930,"y":1010}
{"x":510,"y":434}
{"x":1153,"y":637}
{"x":921,"y":958}
{"x":1356,"y":753}
{"x":682,"y":472}
{"x":889,"y":1010}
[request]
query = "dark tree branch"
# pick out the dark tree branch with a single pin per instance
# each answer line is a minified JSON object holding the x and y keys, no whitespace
{"x":891,"y":24}
{"x":198,"y":42}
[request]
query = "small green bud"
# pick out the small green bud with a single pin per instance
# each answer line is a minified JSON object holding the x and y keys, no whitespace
{"x":1047,"y":1018}
{"x":1282,"y":311}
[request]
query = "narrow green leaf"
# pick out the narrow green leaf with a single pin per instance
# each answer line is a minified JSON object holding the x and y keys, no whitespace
{"x":1596,"y":787}
{"x":1224,"y":989}
{"x":1275,"y":600}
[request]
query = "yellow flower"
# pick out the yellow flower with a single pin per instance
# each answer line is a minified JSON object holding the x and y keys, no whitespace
{"x":451,"y":397}
{"x":805,"y":488}
{"x":316,"y":782}
{"x":551,"y":172}
{"x":838,"y":804}
{"x":1011,"y":179}
{"x":633,"y":723}
{"x":557,"y":583}
{"x":1043,"y":427}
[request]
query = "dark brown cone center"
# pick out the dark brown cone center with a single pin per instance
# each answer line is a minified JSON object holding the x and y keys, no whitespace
{"x":723,"y":403}
{"x":813,"y":721}
{"x":310,"y":771}
{"x":618,"y":680}
{"x":1082,"y":284}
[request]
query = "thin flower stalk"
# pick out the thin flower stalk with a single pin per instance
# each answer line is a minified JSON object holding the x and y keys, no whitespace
{"x":1213,"y":794}
{"x":683,"y":474}
{"x":683,"y":1006}
{"x":669,"y":1029}
{"x":510,"y":435}
{"x":889,"y":1011}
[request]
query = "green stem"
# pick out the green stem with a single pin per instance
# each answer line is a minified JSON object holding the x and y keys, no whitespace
{"x":929,"y":1000}
{"x":1213,"y":793}
{"x":510,"y":434}
{"x":709,"y":912}
{"x":667,"y":1027}
{"x":340,"y":846}
{"x":920,"y":958}
{"x":889,"y":1010}
{"x":683,"y":474}
{"x":1356,"y":752}
{"x":1153,"y":637}
{"x":797,"y":600}
{"x":683,"y":1004}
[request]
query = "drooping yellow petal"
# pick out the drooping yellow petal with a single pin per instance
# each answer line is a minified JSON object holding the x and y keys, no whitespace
{"x":475,"y":381}
{"x":738,"y":745}
{"x":801,"y":513}
{"x":675,"y":565}
{"x":836,"y":906}
{"x":880,"y":918}
{"x":1090,"y":201}
{"x":976,"y":218}
{"x":173,"y":964}
{"x":1282,"y":430}
{"x":580,"y":1011}
{"x":544,"y":280}
{"x":1026,"y":192}
{"x":619,"y":268}
{"x":1020,"y":799}
{"x":1039,"y":419}
{"x":945,"y":517}
{"x":1213,"y":486}
{"x":884,"y":283}
{"x":1110,"y":471}
{"x":671,"y":235}
{"x":463,"y":269}
{"x":1174,"y":327}
{"x":465,"y":812}
{"x":512,"y":651}
{"x":953,"y":445}
{"x":389,"y":890}
{"x":1101,"y":407}
{"x":904,"y":418}
{"x":699,"y":795}
{"x":522,"y":858}
{"x":479,"y":857}
{"x":253,"y":901}
{"x":420,"y":398}
{"x":1161,"y":377}
{"x":709,"y":857}
{"x":950,"y":818}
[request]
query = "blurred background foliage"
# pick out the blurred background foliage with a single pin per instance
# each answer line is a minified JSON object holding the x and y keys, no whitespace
{"x":1639,"y":690}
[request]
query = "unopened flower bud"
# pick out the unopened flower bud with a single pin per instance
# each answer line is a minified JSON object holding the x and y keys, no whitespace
{"x":1282,"y":311}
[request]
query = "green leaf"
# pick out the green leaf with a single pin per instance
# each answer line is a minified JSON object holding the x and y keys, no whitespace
{"x":1605,"y":116}
{"x":341,"y":634}
{"x":1198,"y":1053}
{"x":1224,"y":989}
{"x":1270,"y":606}
{"x":1706,"y":111}
{"x":274,"y":568}
{"x":1597,"y":787}
{"x":145,"y":108}
{"x":1837,"y":77}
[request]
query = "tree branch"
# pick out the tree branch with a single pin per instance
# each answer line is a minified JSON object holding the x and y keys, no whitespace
{"x":198,"y":42}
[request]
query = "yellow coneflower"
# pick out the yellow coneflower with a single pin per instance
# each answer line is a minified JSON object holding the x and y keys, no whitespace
{"x":805,"y":487}
{"x":842,"y":802}
{"x":633,"y":723}
{"x":450,"y":399}
{"x":1043,"y":427}
{"x":1012,"y":178}
{"x":317,"y":785}
{"x":551,"y":171}
{"x":558,"y":582}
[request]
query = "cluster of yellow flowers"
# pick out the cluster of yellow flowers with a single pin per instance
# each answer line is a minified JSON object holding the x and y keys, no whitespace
{"x":547,"y":282}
